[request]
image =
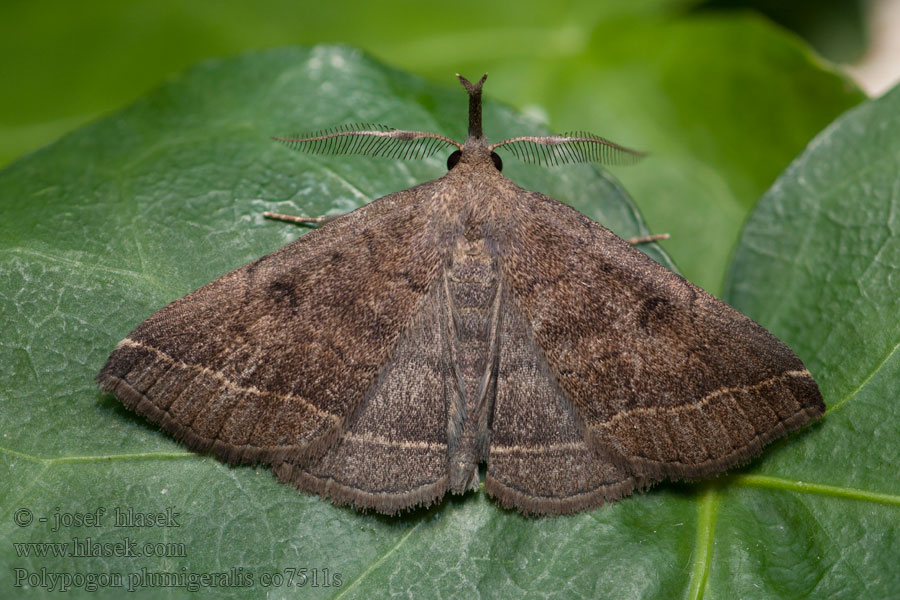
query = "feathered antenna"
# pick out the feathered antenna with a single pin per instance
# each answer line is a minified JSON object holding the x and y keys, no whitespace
{"x":370,"y":139}
{"x":574,"y":147}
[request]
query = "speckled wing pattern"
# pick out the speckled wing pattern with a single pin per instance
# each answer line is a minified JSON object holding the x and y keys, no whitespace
{"x":379,"y":360}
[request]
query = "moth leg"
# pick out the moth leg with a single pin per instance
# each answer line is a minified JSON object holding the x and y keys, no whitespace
{"x":634,"y":241}
{"x":300,"y":220}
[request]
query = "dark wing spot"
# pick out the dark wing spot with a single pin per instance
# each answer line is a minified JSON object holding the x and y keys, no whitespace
{"x":656,"y":308}
{"x":281,"y":290}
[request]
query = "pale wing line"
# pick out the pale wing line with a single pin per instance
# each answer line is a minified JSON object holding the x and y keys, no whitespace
{"x":703,"y":401}
{"x":383,"y":441}
{"x":228,"y":383}
{"x":525,"y":449}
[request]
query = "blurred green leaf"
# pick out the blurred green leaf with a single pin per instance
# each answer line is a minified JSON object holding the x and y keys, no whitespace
{"x":837,"y":29}
{"x":65,"y":63}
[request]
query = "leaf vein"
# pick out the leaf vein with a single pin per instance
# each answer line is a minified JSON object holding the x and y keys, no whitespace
{"x":864,"y":382}
{"x":706,"y":522}
{"x":375,"y":564}
{"x":77,"y":263}
{"x":767,"y":481}
{"x":98,"y":457}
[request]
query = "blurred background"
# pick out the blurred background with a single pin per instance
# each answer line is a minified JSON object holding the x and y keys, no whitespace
{"x":722,"y":93}
{"x":69,"y":62}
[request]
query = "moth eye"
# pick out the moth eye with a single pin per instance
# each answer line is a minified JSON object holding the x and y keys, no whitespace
{"x":453,"y":159}
{"x":497,"y":162}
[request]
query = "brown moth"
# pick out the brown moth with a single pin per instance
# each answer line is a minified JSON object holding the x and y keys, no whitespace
{"x":380,"y":359}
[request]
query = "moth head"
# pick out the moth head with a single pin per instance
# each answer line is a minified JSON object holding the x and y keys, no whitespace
{"x":379,"y":140}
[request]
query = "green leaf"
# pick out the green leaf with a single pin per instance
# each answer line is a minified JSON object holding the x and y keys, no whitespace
{"x":817,"y":265}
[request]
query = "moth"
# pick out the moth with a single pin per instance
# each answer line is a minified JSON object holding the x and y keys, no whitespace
{"x":380,"y":359}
